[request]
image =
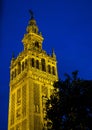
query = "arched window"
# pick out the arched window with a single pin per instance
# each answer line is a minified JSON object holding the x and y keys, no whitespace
{"x":25,"y":63}
{"x":22,"y":66}
{"x":36,"y":44}
{"x":33,"y":62}
{"x":43,"y":65}
{"x":12,"y":75}
{"x":49,"y":69}
{"x":15,"y":73}
{"x":37,"y":64}
{"x":19,"y":67}
{"x":18,"y":96}
{"x":53,"y":70}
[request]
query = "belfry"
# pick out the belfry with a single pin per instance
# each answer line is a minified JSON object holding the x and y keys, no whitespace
{"x":32,"y":74}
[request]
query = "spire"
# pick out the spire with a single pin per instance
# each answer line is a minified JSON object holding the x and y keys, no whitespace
{"x":13,"y":56}
{"x":33,"y":38}
{"x":32,"y":27}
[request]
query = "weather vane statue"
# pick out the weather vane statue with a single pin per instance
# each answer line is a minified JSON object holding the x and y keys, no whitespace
{"x":31,"y":13}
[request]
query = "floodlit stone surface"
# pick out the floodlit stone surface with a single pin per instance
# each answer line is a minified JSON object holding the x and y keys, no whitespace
{"x":32,"y":74}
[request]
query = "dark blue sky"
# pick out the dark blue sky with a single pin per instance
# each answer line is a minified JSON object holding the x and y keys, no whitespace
{"x":66,"y":26}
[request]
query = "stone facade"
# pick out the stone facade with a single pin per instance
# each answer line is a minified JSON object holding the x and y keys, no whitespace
{"x":32,"y":75}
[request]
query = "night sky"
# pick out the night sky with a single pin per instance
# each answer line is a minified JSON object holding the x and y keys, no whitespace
{"x":66,"y":26}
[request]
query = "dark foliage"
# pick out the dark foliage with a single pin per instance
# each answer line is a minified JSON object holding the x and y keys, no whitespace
{"x":70,"y":105}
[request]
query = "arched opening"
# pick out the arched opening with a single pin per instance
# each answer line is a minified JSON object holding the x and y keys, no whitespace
{"x":33,"y":62}
{"x":22,"y":66}
{"x":49,"y":69}
{"x":43,"y":64}
{"x":19,"y":67}
{"x":37,"y":64}
{"x":36,"y":44}
{"x":15,"y":72}
{"x":25,"y":63}
{"x":53,"y":70}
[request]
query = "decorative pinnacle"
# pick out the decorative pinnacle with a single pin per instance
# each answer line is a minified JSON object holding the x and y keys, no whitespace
{"x":53,"y":53}
{"x":31,"y":13}
{"x":13,"y":56}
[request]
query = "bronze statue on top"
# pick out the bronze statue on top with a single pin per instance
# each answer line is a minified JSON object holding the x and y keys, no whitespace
{"x":31,"y":13}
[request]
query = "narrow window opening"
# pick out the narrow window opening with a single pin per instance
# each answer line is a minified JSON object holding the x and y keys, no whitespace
{"x":37,"y":44}
{"x":32,"y":62}
{"x":53,"y":70}
{"x":43,"y":65}
{"x":22,"y":66}
{"x":19,"y":67}
{"x":25,"y":63}
{"x":15,"y":72}
{"x":49,"y":69}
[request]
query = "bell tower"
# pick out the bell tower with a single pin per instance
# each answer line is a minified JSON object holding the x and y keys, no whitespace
{"x":32,"y":74}
{"x":33,"y":39}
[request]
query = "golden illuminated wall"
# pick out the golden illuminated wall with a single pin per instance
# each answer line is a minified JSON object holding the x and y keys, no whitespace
{"x":32,"y":75}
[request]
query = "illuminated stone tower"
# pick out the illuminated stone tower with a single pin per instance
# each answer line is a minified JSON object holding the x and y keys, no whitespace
{"x":32,"y":75}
